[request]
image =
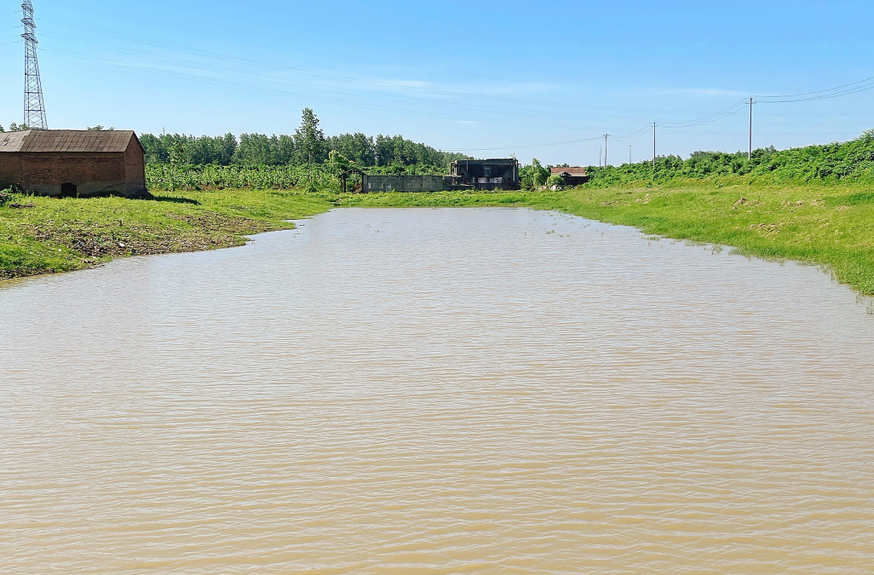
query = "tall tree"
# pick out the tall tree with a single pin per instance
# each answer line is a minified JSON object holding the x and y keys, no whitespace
{"x":309,"y":139}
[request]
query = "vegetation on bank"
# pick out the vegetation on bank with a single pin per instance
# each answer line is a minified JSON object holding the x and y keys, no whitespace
{"x":828,"y":225}
{"x":813,"y":204}
{"x":324,"y":177}
{"x":46,"y":235}
{"x":184,"y":169}
{"x":851,"y":161}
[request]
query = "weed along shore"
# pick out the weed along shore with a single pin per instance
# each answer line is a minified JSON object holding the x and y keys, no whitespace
{"x":831,"y":225}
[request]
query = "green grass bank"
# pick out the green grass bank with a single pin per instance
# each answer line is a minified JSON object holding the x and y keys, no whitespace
{"x":831,"y":225}
{"x":827,"y":225}
{"x":45,"y":235}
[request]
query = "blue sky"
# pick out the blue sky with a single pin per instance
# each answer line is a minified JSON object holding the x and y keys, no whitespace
{"x":490,"y":78}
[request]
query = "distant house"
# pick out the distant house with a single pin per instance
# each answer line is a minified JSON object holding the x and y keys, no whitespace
{"x":572,"y":176}
{"x":73,"y":162}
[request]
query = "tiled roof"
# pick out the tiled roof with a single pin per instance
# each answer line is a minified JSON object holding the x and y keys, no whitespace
{"x":572,"y":171}
{"x":82,"y":141}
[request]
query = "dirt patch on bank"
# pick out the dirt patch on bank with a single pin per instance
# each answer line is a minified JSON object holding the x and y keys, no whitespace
{"x":117,"y":238}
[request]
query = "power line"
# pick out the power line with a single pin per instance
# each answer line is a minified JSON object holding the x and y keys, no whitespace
{"x":527,"y":146}
{"x":840,"y":94}
{"x":785,"y":98}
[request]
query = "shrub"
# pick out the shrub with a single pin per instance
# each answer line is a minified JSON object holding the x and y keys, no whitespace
{"x":554,"y":181}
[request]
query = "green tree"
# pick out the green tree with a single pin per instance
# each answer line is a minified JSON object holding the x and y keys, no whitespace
{"x":555,"y":181}
{"x":309,"y":139}
{"x":534,"y":176}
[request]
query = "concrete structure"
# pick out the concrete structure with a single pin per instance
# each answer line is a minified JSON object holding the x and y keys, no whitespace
{"x":466,"y":175}
{"x":572,"y":176}
{"x":499,"y":174}
{"x":401,"y":183}
{"x":73,"y":162}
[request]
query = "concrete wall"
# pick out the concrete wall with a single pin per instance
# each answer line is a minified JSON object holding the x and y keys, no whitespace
{"x":92,"y":173}
{"x":402,"y":184}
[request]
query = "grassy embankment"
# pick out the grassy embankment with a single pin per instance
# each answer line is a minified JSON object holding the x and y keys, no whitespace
{"x":45,"y":235}
{"x":827,"y":224}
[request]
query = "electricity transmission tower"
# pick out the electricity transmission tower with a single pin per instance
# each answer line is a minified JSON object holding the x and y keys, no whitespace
{"x":34,"y":106}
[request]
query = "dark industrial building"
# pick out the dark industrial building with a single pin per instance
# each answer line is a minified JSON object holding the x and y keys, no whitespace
{"x":501,"y":174}
{"x":73,"y":162}
{"x":572,"y":176}
{"x":466,"y":175}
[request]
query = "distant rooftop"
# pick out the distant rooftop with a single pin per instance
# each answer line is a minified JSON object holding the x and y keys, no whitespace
{"x":570,"y":171}
{"x":489,"y":161}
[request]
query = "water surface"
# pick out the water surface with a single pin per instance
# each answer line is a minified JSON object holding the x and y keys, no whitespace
{"x":437,"y":391}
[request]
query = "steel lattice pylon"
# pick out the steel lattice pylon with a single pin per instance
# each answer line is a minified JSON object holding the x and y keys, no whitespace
{"x":34,"y":106}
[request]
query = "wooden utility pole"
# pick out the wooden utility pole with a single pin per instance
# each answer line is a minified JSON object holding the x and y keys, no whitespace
{"x":750,"y":154}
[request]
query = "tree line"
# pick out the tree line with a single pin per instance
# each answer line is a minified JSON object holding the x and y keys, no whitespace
{"x":307,"y":146}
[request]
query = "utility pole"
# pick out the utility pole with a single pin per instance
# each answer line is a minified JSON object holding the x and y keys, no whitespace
{"x":654,"y":126}
{"x":629,"y":154}
{"x":750,"y":154}
{"x":600,"y":153}
{"x":605,"y":149}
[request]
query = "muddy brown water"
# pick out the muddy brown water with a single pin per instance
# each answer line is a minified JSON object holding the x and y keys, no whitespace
{"x":437,"y":391}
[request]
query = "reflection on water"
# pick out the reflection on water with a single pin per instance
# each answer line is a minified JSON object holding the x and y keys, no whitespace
{"x":437,"y":391}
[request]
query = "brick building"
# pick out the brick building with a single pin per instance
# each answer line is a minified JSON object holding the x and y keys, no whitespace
{"x":73,"y":162}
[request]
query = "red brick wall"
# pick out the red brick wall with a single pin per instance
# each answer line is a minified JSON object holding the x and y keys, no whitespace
{"x":44,"y":173}
{"x":135,"y":168}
